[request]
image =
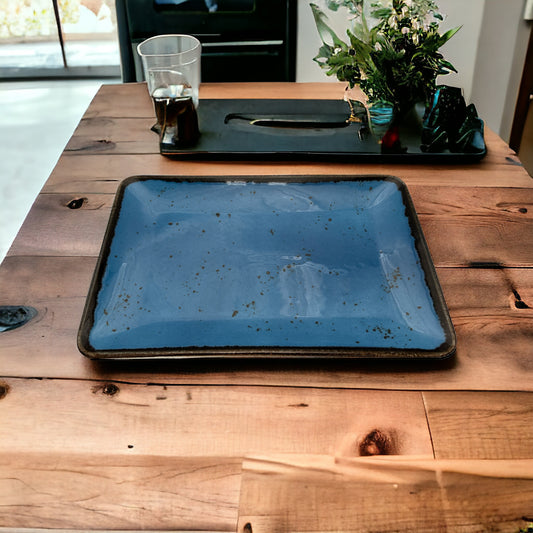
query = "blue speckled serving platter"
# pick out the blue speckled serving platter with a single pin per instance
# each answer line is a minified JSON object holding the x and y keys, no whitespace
{"x":265,"y":267}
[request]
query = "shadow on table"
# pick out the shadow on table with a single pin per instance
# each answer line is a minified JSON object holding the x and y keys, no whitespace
{"x":258,"y":365}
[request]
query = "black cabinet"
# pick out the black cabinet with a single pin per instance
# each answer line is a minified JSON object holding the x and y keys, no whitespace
{"x":242,"y":40}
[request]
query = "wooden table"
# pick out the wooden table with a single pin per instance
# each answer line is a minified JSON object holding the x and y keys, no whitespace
{"x":265,"y":447}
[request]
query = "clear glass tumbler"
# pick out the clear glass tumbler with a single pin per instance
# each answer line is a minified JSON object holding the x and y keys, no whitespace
{"x":172,"y":66}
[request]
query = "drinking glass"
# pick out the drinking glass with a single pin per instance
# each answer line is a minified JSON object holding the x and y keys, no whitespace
{"x":171,"y":66}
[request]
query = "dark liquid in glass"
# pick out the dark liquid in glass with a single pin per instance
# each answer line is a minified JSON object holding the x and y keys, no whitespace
{"x":178,"y":120}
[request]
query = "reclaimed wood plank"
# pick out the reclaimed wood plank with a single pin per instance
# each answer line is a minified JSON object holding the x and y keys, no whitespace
{"x":492,"y":311}
{"x":124,"y":114}
{"x":480,"y":425}
{"x":47,"y":530}
{"x":132,"y":99}
{"x":96,"y":491}
{"x":113,"y":136}
{"x":160,"y":444}
{"x":119,"y":118}
{"x":480,"y":225}
{"x":167,"y":420}
{"x":132,"y":135}
{"x":101,"y":173}
{"x":309,"y":494}
{"x":110,"y":455}
{"x":125,"y":146}
{"x":64,"y":225}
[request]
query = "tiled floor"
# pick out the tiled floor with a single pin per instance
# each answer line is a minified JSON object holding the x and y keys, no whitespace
{"x":47,"y":54}
{"x":36,"y":120}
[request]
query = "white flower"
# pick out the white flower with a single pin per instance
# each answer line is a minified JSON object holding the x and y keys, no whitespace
{"x":378,"y":47}
{"x":405,"y":30}
{"x":405,"y":11}
{"x":393,"y":21}
{"x":416,"y":38}
{"x":415,"y":24}
{"x":408,"y":3}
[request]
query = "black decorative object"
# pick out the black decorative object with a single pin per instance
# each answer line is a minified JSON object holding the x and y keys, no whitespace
{"x":450,"y":125}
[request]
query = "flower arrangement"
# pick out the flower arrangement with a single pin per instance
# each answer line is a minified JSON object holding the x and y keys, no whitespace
{"x":392,"y":51}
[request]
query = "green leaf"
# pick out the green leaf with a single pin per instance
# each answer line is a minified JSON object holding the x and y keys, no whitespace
{"x":323,"y":29}
{"x":447,"y":65}
{"x":399,"y":70}
{"x":326,"y":51}
{"x":333,"y":6}
{"x":382,"y":13}
{"x":445,"y":37}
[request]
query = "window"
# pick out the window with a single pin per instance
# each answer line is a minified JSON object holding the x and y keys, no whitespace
{"x":42,"y":38}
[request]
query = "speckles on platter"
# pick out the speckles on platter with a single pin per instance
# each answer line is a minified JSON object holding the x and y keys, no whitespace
{"x":263,"y":264}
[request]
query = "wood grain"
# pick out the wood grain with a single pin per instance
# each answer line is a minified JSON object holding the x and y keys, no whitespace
{"x":114,"y":136}
{"x":208,"y":421}
{"x":114,"y":141}
{"x":481,"y":225}
{"x":316,"y":493}
{"x":133,"y":101}
{"x":47,"y":530}
{"x":64,"y":225}
{"x":114,"y":455}
{"x":101,"y":173}
{"x":480,"y":425}
{"x":266,"y":446}
{"x":96,"y":491}
{"x":104,"y":132}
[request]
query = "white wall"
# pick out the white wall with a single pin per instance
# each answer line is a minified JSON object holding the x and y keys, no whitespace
{"x":307,"y":45}
{"x":488,"y":53}
{"x":500,"y":62}
{"x":461,"y":50}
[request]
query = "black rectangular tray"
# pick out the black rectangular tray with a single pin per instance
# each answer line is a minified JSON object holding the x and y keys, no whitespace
{"x":296,"y":130}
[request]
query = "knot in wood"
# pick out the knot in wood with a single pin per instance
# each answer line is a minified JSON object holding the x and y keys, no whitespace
{"x":110,"y":389}
{"x":518,"y":302}
{"x":15,"y":316}
{"x":376,"y":443}
{"x":77,"y":203}
{"x":247,"y":528}
{"x":4,"y":389}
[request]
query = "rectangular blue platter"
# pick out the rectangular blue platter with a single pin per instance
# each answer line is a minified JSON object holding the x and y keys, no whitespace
{"x":330,"y":266}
